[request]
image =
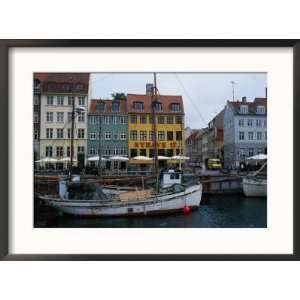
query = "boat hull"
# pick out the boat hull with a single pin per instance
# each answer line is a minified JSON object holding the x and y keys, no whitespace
{"x":254,"y":187}
{"x":155,"y":205}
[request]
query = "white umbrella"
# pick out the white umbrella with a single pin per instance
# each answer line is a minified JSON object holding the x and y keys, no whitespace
{"x":142,"y":158}
{"x":67,"y":159}
{"x":180,"y":157}
{"x":47,"y":159}
{"x":163,"y":157}
{"x":118,"y":158}
{"x":258,"y":157}
{"x":95,"y":158}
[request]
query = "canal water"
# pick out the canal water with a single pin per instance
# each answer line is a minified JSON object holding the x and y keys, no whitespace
{"x":229,"y":211}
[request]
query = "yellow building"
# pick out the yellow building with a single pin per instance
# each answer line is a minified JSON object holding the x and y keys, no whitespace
{"x":169,"y":118}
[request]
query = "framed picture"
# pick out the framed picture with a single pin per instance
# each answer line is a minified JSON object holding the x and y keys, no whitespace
{"x":149,"y":149}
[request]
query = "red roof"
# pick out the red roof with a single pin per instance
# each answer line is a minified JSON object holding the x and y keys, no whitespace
{"x":251,"y":105}
{"x":107,"y":106}
{"x":64,"y":82}
{"x":165,"y":100}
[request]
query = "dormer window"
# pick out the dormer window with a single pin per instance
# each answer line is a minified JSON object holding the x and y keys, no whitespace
{"x":244,"y":109}
{"x":79,"y":86}
{"x":51,"y":85}
{"x":115,"y":106}
{"x":138,"y":105}
{"x":157,"y":106}
{"x":175,"y":107}
{"x":100,"y":106}
{"x":260,"y":109}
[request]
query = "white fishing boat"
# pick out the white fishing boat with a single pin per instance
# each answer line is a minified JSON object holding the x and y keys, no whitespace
{"x":255,"y":185}
{"x":173,"y":196}
{"x":87,"y":199}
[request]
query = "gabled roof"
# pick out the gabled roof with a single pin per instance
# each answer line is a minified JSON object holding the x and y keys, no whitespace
{"x":252,"y":106}
{"x":107,"y":106}
{"x":63,"y":82}
{"x":166,"y":101}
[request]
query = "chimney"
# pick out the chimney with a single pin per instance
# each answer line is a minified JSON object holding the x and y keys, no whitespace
{"x":244,"y":99}
{"x":149,"y":87}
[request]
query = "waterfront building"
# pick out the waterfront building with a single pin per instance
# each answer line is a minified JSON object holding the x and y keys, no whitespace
{"x":194,"y":147}
{"x":245,"y":130}
{"x":215,"y":136}
{"x":108,"y":131}
{"x":204,"y":145}
{"x":58,"y":91}
{"x":169,"y":120}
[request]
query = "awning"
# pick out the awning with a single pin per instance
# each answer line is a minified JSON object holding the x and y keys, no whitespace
{"x":96,"y":158}
{"x":118,"y":158}
{"x":257,"y":157}
{"x":47,"y":159}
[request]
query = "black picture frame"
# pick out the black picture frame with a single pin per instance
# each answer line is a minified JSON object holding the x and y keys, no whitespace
{"x":6,"y":45}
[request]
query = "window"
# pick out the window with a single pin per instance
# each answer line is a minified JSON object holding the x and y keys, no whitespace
{"x":250,"y":135}
{"x":170,"y":135}
{"x":170,"y":119}
{"x":161,"y":136}
{"x":36,"y":117}
{"x":69,"y":133}
{"x":100,"y":106}
{"x":60,"y":133}
{"x":81,"y":116}
{"x":151,"y":135}
{"x":71,"y":100}
{"x":241,"y":122}
{"x":143,"y":119}
{"x":161,"y":119}
{"x":93,"y":135}
{"x":68,"y":151}
{"x":59,"y":151}
{"x":115,"y":120}
{"x":115,"y":106}
{"x":161,"y":152}
{"x":250,"y":123}
{"x":49,"y":151}
{"x":151,"y":152}
{"x":36,"y":135}
{"x":60,"y":117}
{"x":116,"y":136}
{"x":251,"y":152}
{"x":60,"y":100}
{"x":139,"y":106}
{"x":80,"y":133}
{"x":49,"y":133}
{"x":169,"y":152}
{"x":175,"y":107}
{"x":107,"y":135}
{"x":244,"y":109}
{"x":143,"y":135}
{"x":241,"y":135}
{"x":123,"y":136}
{"x":81,"y":100}
{"x":133,"y":135}
{"x":259,"y":135}
{"x":36,"y":99}
{"x":69,"y":116}
{"x":133,"y":119}
{"x":258,"y":123}
{"x":260,"y":109}
{"x":178,"y":119}
{"x":151,"y":119}
{"x":92,"y":151}
{"x":265,"y":123}
{"x":80,"y":149}
{"x":265,"y":135}
{"x":106,"y":120}
{"x":143,"y":152}
{"x":242,"y":154}
{"x":178,"y":135}
{"x":49,"y":116}
{"x":157,"y":106}
{"x":123,"y":120}
{"x":133,"y":152}
{"x":49,"y":100}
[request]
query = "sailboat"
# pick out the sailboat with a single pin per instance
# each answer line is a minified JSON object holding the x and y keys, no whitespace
{"x":87,"y":199}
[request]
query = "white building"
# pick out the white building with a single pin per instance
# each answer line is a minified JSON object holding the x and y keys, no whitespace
{"x":58,"y":91}
{"x":245,"y":130}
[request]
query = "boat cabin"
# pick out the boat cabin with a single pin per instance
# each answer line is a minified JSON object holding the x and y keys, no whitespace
{"x":170,"y":177}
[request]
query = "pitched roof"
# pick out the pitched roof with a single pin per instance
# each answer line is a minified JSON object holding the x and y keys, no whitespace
{"x":252,"y":106}
{"x":165,"y":100}
{"x":64,"y":82}
{"x":107,"y":106}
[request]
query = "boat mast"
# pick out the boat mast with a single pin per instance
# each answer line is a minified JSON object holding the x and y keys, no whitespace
{"x":72,"y":135}
{"x":99,"y":146}
{"x":154,"y":102}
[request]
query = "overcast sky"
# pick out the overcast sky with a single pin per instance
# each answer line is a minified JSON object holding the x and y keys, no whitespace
{"x":204,"y":94}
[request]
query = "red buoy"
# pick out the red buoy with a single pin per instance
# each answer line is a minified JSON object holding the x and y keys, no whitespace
{"x":186,"y":210}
